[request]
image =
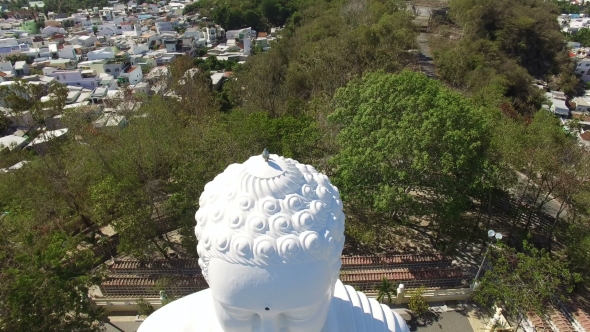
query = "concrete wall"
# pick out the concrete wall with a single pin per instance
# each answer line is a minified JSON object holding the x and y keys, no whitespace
{"x":128,"y":303}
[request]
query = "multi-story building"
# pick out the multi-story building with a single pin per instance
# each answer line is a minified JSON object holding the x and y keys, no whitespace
{"x":100,"y":54}
{"x":88,"y":79}
{"x":132,"y":75}
{"x":181,"y":45}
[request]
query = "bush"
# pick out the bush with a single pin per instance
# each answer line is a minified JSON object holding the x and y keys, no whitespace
{"x":145,"y":308}
{"x":418,"y":304}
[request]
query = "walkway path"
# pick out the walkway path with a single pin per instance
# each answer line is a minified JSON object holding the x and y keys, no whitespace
{"x":425,"y":56}
{"x":450,"y":321}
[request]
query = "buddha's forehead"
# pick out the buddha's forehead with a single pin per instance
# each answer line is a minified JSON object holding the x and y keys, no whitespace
{"x":280,"y":286}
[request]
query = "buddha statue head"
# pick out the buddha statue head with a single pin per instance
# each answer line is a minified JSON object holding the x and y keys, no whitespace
{"x":270,"y":232}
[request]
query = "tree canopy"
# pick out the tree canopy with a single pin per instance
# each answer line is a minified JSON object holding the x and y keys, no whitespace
{"x":336,"y":91}
{"x":502,"y":46}
{"x":524,"y":281}
{"x":235,"y":14}
{"x":409,"y":147}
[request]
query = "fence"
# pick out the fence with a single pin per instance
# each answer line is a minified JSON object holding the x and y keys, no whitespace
{"x":150,"y":286}
{"x":155,"y":267}
{"x":369,"y":280}
{"x":128,"y":303}
{"x":395,"y":261}
{"x":131,"y":277}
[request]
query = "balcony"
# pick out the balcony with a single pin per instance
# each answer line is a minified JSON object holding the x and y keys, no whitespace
{"x":88,"y":73}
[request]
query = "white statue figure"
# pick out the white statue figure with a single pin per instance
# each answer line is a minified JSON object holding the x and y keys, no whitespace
{"x":271,"y":232}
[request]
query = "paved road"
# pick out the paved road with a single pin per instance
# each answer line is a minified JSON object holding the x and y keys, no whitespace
{"x":121,"y":326}
{"x":450,"y":321}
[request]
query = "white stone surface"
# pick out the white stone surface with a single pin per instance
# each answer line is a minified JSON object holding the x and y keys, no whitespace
{"x":270,"y":238}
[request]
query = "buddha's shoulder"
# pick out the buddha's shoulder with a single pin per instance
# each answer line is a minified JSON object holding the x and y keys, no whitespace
{"x":189,"y":313}
{"x":353,"y":311}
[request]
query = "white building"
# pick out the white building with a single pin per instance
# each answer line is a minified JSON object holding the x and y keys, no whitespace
{"x":7,"y":67}
{"x":558,"y":103}
{"x":583,"y":69}
{"x":103,"y":53}
{"x":12,"y":142}
{"x":132,"y":75}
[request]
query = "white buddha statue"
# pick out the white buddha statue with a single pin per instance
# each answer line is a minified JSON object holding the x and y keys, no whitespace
{"x":271,"y":232}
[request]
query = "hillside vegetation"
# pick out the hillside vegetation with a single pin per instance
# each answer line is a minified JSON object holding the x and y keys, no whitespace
{"x":499,"y":48}
{"x":337,"y":91}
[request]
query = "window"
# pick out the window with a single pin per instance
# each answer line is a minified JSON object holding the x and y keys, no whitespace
{"x":63,"y":76}
{"x":107,"y":70}
{"x":57,"y":78}
{"x":117,"y":69}
{"x":78,"y":83}
{"x":588,"y":65}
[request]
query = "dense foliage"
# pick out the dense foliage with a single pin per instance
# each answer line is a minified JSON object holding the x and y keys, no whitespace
{"x":502,"y":46}
{"x":582,"y":37}
{"x":410,"y":148}
{"x":336,"y":91}
{"x":235,"y":14}
{"x":524,"y":281}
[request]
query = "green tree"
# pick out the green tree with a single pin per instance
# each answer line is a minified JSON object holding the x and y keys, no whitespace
{"x":408,"y":152}
{"x":582,"y":37}
{"x":21,"y":96}
{"x":386,"y":290}
{"x":191,"y":8}
{"x":577,"y":239}
{"x":13,"y":58}
{"x":418,"y":304}
{"x":4,"y":122}
{"x":524,"y":281}
{"x":144,"y":307}
{"x":502,"y":46}
{"x":549,"y":159}
{"x":44,"y":282}
{"x":95,"y":29}
{"x":58,"y":94}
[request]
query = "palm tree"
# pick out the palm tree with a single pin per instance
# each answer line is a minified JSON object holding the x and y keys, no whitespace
{"x":385,"y":290}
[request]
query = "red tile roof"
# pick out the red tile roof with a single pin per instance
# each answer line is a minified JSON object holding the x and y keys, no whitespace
{"x":348,"y":277}
{"x":538,"y":323}
{"x":560,"y":321}
{"x":132,"y":68}
{"x":349,"y":261}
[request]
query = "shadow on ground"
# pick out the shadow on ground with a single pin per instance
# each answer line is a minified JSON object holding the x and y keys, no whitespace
{"x":429,"y":319}
{"x":450,"y":321}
